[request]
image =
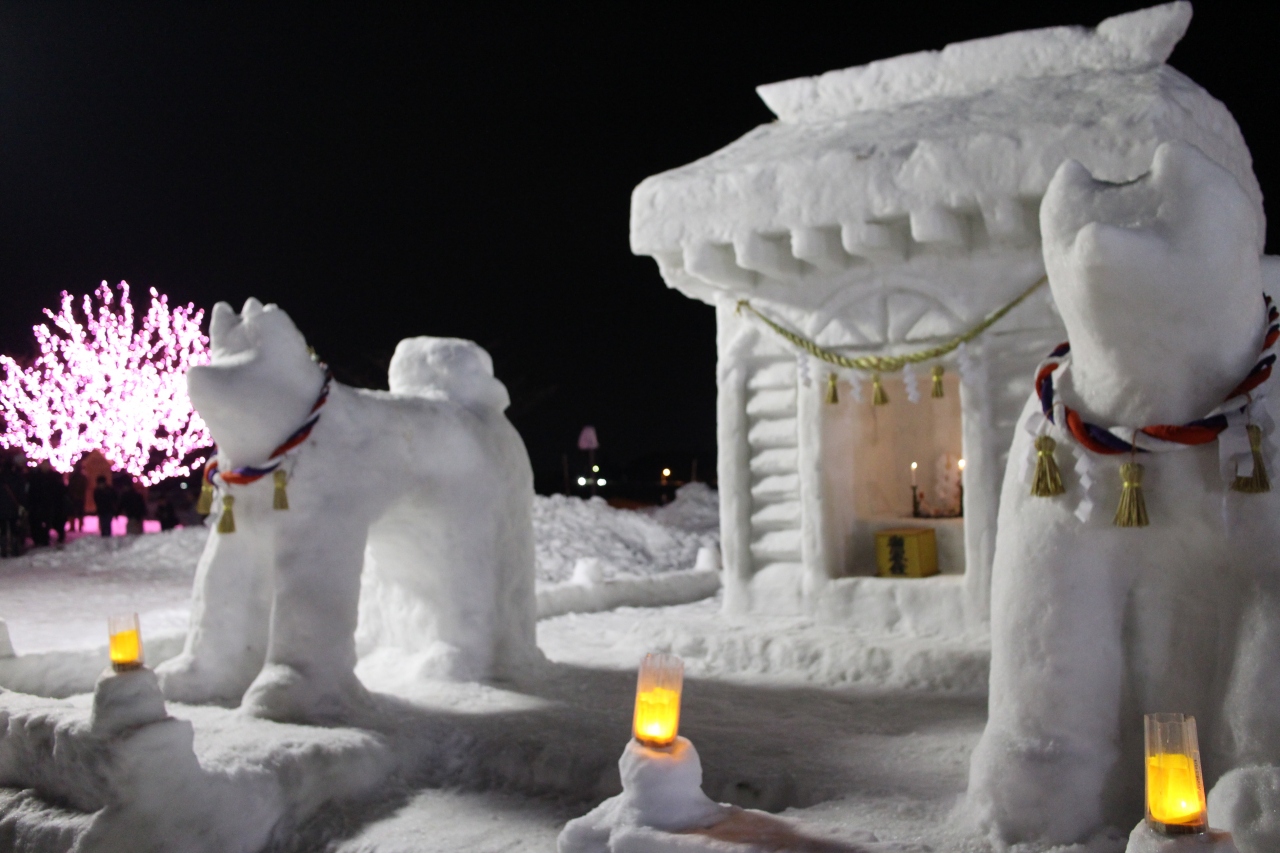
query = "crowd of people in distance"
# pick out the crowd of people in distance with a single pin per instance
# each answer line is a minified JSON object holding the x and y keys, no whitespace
{"x":41,"y":504}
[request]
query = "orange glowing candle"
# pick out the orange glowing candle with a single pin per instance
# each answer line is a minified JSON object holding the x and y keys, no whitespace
{"x":125,"y":644}
{"x":1175,"y":785}
{"x":658,"y":688}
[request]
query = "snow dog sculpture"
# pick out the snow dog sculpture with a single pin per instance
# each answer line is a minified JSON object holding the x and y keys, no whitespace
{"x":427,"y":487}
{"x":1159,"y":284}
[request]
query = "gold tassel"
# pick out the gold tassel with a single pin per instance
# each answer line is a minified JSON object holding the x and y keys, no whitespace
{"x":204,"y":503}
{"x":937,"y":382}
{"x":1047,"y":481}
{"x":280,"y":500}
{"x":227,"y":522}
{"x":878,"y":397}
{"x":833,"y":396}
{"x":1132,"y":511}
{"x":1258,"y":482}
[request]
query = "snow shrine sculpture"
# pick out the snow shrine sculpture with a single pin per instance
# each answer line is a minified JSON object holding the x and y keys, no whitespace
{"x":427,"y":487}
{"x":892,"y":208}
{"x":1094,"y":623}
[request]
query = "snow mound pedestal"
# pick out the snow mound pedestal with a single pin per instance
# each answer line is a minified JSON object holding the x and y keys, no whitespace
{"x":662,"y":809}
{"x":1144,"y":839}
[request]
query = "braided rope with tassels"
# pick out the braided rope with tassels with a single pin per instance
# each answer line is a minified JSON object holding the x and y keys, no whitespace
{"x":890,"y":363}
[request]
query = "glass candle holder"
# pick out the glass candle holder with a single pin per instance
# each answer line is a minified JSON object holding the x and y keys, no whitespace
{"x":1175,"y":784}
{"x":125,"y":642}
{"x":658,"y":688}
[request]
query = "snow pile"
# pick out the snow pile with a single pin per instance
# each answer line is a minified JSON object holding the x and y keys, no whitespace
{"x":696,"y":509}
{"x":627,"y":543}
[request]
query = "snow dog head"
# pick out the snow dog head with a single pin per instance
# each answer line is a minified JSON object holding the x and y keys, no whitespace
{"x":1151,"y":277}
{"x":259,"y":384}
{"x":405,"y":513}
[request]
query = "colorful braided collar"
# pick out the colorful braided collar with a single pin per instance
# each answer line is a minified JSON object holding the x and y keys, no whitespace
{"x":1123,"y":439}
{"x":246,"y":474}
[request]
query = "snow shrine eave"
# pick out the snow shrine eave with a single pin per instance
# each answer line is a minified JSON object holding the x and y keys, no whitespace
{"x":823,"y":199}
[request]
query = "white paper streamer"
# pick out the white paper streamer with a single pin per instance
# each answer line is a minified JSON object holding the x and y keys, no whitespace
{"x":964,"y":360}
{"x":855,"y":386}
{"x":802,"y":369}
{"x":1084,"y":475}
{"x":1035,"y":425}
{"x":1234,"y":456}
{"x":911,"y":382}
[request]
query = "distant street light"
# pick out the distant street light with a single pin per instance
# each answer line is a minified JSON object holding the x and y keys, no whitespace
{"x":590,"y":442}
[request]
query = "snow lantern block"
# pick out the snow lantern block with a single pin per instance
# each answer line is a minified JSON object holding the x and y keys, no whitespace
{"x":658,"y":689}
{"x":125,"y":642}
{"x":907,"y":552}
{"x":1175,"y":784}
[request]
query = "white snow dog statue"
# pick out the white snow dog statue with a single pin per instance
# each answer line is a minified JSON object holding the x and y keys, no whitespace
{"x":426,"y":488}
{"x":1159,"y":284}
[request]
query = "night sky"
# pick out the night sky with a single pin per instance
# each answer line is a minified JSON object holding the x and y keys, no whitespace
{"x":451,"y":169}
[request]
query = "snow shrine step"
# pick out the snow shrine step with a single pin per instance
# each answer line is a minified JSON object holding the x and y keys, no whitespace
{"x":773,"y":403}
{"x":773,"y":374}
{"x":779,"y":487}
{"x":777,"y":546}
{"x":772,"y":432}
{"x":778,"y":460}
{"x":784,"y":515}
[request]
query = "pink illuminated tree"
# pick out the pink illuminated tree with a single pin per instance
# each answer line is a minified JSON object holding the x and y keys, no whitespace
{"x":102,"y":384}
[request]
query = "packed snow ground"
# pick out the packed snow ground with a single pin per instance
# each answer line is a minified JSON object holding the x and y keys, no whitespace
{"x":860,"y":738}
{"x":57,"y":598}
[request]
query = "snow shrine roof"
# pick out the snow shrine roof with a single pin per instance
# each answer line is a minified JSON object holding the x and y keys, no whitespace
{"x":941,"y":150}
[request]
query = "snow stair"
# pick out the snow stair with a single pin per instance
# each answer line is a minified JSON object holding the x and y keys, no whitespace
{"x":775,"y":481}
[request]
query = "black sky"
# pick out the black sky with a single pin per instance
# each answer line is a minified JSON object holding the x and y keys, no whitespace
{"x":450,"y":169}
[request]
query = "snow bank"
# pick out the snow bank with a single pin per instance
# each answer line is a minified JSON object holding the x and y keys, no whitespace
{"x":627,"y":543}
{"x":657,"y":591}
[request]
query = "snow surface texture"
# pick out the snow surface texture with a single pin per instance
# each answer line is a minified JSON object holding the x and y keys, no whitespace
{"x":448,"y":766}
{"x":430,"y":476}
{"x":1131,"y":42}
{"x":661,"y":789}
{"x":1159,"y":284}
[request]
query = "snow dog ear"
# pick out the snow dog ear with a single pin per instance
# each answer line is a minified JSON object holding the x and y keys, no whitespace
{"x":226,"y":332}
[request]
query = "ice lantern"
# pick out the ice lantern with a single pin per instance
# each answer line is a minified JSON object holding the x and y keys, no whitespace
{"x":1175,"y":785}
{"x":658,"y":687}
{"x":125,"y":642}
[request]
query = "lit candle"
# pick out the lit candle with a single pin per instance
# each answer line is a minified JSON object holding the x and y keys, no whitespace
{"x":913,"y":475}
{"x":125,"y":642}
{"x":658,"y":688}
{"x":960,"y":465}
{"x":1175,"y":786}
{"x":1172,"y":789}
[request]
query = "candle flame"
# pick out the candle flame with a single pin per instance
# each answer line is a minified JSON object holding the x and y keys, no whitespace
{"x":1173,"y":789}
{"x":126,"y":648}
{"x":657,"y":716}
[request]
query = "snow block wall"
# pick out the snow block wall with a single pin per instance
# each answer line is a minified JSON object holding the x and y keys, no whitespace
{"x":892,"y":207}
{"x":408,"y":523}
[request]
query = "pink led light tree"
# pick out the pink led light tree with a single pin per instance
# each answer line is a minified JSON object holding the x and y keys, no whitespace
{"x":101,"y":384}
